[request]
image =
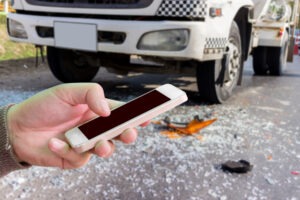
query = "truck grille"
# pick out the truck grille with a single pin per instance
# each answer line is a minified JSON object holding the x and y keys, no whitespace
{"x":183,"y":8}
{"x":112,"y":4}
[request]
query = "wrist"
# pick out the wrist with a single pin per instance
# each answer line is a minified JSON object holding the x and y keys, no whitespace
{"x":8,"y":161}
{"x":12,"y":129}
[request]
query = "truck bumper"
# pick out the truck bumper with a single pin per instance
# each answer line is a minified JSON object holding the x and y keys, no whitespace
{"x":270,"y":36}
{"x":202,"y":44}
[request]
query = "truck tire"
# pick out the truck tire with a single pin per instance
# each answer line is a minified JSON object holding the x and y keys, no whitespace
{"x":260,"y":66}
{"x":68,"y":67}
{"x":277,"y":58}
{"x":217,"y":79}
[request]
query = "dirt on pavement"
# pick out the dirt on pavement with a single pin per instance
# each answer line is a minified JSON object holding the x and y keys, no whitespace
{"x":25,"y":73}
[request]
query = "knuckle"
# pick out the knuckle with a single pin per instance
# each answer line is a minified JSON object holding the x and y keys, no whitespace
{"x":98,"y":87}
{"x":79,"y":163}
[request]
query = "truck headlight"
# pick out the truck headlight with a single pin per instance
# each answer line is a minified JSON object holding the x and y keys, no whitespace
{"x":165,"y":40}
{"x":16,"y":29}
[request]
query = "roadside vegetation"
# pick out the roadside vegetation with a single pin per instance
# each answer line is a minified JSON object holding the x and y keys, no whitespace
{"x":11,"y":50}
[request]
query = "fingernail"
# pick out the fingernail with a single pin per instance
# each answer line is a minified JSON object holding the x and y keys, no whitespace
{"x":57,"y":144}
{"x":128,"y":136}
{"x":104,"y":106}
{"x":103,"y":148}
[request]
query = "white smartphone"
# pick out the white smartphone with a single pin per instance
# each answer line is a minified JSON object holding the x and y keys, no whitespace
{"x":129,"y":115}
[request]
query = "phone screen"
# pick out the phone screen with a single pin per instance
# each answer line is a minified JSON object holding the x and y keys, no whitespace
{"x":123,"y":114}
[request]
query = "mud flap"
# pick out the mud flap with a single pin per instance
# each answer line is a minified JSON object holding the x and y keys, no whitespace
{"x":290,"y":57}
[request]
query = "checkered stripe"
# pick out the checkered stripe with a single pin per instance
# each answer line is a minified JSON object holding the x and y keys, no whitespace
{"x":183,"y":8}
{"x":215,"y":43}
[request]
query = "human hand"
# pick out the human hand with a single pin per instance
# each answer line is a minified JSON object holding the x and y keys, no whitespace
{"x":37,"y":125}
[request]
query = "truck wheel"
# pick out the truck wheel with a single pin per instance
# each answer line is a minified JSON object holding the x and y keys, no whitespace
{"x":260,"y":66}
{"x":67,"y":66}
{"x":217,"y":79}
{"x":277,"y":58}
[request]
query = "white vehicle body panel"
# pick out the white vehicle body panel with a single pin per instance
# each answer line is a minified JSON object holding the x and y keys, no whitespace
{"x":268,"y":34}
{"x":133,"y":31}
{"x":266,"y":31}
{"x":18,"y":5}
{"x":208,"y":38}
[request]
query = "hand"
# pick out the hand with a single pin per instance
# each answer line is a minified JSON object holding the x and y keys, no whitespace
{"x":37,"y":125}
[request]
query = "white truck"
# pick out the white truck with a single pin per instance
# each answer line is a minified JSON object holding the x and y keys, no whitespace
{"x":273,"y":31}
{"x":209,"y":39}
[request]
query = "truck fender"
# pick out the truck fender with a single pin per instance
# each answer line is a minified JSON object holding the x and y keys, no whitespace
{"x":18,"y":5}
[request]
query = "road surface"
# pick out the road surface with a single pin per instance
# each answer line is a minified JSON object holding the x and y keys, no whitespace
{"x":260,"y":124}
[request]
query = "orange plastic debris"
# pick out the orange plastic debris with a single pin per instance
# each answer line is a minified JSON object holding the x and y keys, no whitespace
{"x":156,"y":122}
{"x":193,"y":127}
{"x":171,"y":134}
{"x":176,"y":130}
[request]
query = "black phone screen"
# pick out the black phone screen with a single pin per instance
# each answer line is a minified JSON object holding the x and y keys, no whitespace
{"x":124,"y":113}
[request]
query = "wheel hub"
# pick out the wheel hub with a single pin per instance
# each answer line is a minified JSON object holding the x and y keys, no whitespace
{"x":233,"y":65}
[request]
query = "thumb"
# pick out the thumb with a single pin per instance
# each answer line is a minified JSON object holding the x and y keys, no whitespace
{"x":113,"y":104}
{"x":91,"y":94}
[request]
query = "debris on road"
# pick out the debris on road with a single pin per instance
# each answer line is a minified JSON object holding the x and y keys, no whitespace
{"x":241,"y":166}
{"x":269,"y":157}
{"x":177,"y":129}
{"x":295,"y":173}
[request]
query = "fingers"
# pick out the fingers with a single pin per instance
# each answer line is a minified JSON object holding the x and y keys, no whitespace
{"x":128,"y":136}
{"x":91,"y":94}
{"x":70,"y":159}
{"x":104,"y":149}
{"x":145,"y":123}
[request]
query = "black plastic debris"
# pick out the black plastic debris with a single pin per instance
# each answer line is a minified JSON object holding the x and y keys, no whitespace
{"x":241,"y":166}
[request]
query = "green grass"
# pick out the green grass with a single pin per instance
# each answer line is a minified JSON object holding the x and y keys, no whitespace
{"x":2,"y":18}
{"x":10,"y":50}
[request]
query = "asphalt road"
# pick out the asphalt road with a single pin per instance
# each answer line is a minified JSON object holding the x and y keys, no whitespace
{"x":258,"y":124}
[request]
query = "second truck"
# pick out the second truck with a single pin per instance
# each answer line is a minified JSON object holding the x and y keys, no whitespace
{"x":273,"y":31}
